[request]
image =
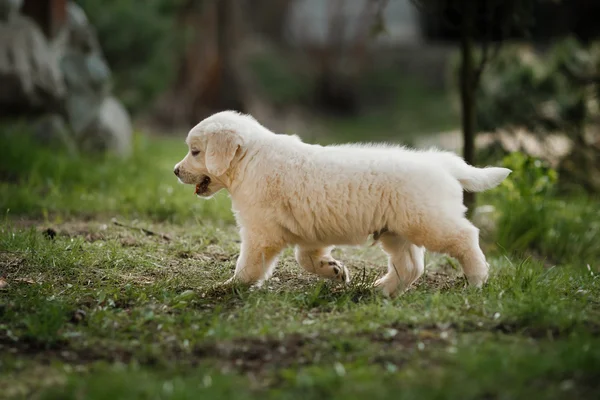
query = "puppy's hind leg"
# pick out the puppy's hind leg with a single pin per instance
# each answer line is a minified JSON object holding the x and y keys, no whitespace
{"x":459,"y":238}
{"x":406,"y":264}
{"x":318,"y":260}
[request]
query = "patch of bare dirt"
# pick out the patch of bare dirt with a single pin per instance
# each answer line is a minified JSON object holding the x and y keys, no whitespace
{"x":244,"y":354}
{"x":521,"y":328}
{"x":129,"y":241}
{"x":91,"y":230}
{"x":258,"y":353}
{"x":536,"y":332}
{"x":441,"y":280}
{"x":10,"y":270}
{"x":391,"y":345}
{"x":10,"y":262}
{"x":61,"y":350}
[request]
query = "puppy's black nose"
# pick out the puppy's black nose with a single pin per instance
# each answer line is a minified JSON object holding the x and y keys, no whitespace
{"x":176,"y":171}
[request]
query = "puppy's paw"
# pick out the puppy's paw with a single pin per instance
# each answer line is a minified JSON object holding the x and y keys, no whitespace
{"x":219,"y":289}
{"x":228,"y":282}
{"x":339,"y":271}
{"x":477,"y":280}
{"x":235,"y":281}
{"x":388,"y":287}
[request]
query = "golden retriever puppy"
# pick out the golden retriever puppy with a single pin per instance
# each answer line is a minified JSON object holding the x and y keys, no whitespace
{"x":286,"y":192}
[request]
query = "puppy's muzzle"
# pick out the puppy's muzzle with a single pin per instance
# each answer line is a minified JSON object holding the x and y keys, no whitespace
{"x":176,"y":171}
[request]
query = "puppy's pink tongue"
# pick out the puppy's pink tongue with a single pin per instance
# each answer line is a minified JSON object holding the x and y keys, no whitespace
{"x":197,"y":189}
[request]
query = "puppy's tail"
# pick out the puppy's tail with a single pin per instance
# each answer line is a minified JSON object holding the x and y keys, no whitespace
{"x":474,"y":179}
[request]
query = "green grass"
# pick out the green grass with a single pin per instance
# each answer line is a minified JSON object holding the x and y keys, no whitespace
{"x":42,"y":184}
{"x":101,"y":310}
{"x":562,"y":231}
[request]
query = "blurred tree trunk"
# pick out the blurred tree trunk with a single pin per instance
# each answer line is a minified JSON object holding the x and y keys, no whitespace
{"x":344,"y":54}
{"x":478,"y":24}
{"x":268,"y":18}
{"x":468,"y":85}
{"x":229,"y":96}
{"x":206,"y":81}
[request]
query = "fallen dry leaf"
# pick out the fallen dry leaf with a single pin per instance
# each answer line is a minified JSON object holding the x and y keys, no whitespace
{"x":25,"y":280}
{"x":129,"y":242}
{"x":3,"y":283}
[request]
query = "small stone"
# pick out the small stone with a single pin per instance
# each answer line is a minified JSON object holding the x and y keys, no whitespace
{"x":339,"y":369}
{"x":78,"y":316}
{"x":390,"y":333}
{"x":49,"y":233}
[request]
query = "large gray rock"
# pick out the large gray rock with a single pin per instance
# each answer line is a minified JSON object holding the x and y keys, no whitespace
{"x":66,"y":81}
{"x":111,"y":130}
{"x":30,"y":76}
{"x":98,"y":120}
{"x":86,"y":90}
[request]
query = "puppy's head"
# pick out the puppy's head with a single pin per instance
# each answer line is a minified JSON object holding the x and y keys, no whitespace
{"x":213,"y":149}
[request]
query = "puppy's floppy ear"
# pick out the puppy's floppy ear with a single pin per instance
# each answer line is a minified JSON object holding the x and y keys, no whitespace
{"x":220,"y":150}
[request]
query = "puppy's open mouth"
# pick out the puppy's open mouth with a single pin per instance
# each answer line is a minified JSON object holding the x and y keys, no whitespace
{"x":202,"y":187}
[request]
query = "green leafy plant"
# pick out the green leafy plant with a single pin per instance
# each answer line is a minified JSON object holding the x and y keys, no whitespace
{"x":535,"y":220}
{"x":531,"y":179}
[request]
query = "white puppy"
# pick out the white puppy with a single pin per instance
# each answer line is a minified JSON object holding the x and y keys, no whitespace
{"x":286,"y":192}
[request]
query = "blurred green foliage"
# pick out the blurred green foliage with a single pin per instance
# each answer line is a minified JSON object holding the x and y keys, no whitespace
{"x":141,"y":43}
{"x":535,"y":220}
{"x":551,"y":92}
{"x":279,"y":80}
{"x":391,"y":105}
{"x":530,"y":178}
{"x":539,"y":92}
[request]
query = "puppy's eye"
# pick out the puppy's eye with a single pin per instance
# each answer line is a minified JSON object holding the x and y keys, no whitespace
{"x":195,"y":152}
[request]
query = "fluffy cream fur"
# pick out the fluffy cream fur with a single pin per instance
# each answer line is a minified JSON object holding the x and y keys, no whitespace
{"x":286,"y":192}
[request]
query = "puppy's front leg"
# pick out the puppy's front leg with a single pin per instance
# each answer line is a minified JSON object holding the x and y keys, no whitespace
{"x":256,"y":261}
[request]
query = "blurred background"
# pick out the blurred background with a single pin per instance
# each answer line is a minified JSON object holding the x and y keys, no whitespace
{"x":93,"y":93}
